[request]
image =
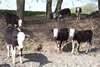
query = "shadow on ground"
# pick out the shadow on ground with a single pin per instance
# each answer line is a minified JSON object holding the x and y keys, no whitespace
{"x":67,"y":47}
{"x":92,"y":50}
{"x":30,"y":33}
{"x":37,"y":57}
{"x":4,"y":65}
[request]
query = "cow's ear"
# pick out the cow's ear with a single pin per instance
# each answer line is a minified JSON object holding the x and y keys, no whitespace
{"x":14,"y":36}
{"x":51,"y":30}
{"x":27,"y":36}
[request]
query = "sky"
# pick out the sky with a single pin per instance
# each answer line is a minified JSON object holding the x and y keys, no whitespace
{"x":33,"y":5}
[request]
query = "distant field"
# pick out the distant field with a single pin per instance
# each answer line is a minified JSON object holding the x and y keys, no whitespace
{"x":27,"y":13}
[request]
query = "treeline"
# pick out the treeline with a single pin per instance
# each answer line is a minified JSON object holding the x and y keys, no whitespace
{"x":87,"y":9}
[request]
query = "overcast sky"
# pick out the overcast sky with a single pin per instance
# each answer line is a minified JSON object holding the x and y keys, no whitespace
{"x":33,"y":5}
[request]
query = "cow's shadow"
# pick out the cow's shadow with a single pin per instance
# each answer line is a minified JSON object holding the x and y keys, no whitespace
{"x":5,"y":65}
{"x":37,"y":57}
{"x":92,"y":50}
{"x":67,"y":47}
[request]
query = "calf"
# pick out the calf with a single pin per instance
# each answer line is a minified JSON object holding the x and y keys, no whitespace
{"x":60,"y":36}
{"x":62,"y":13}
{"x":78,"y":12}
{"x":13,"y":20}
{"x":14,"y":37}
{"x":81,"y":36}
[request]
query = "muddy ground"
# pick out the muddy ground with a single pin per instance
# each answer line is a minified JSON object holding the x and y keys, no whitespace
{"x":40,"y":49}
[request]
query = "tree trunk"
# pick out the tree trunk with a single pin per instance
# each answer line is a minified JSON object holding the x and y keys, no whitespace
{"x":20,"y":8}
{"x":49,"y":9}
{"x":59,"y":4}
{"x":99,"y":6}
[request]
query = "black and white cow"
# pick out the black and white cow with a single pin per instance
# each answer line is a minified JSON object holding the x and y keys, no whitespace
{"x":14,"y":38}
{"x":75,"y":36}
{"x":81,"y":36}
{"x":78,"y":12}
{"x":62,"y":14}
{"x":60,"y":36}
{"x":13,"y":20}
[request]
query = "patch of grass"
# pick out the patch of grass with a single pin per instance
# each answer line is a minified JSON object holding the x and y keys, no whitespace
{"x":7,"y":11}
{"x":26,"y":48}
{"x":35,"y":13}
{"x":26,"y":13}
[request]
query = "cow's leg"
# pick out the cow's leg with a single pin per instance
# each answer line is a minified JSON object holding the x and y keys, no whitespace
{"x":73,"y":46}
{"x":90,"y":45}
{"x":12,"y":50}
{"x":20,"y":54}
{"x":57,"y":42}
{"x":8,"y":51}
{"x":77,"y":48}
{"x":63,"y":43}
{"x":88,"y":49}
{"x":60,"y":46}
{"x":61,"y":20}
{"x":13,"y":54}
{"x":77,"y":15}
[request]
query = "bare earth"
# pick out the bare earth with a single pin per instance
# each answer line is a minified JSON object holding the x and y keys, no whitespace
{"x":40,"y":49}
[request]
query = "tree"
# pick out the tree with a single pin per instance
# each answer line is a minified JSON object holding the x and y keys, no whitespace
{"x":99,"y":5}
{"x":89,"y":8}
{"x":49,"y":9}
{"x":95,"y":1}
{"x":20,"y":8}
{"x":59,"y":4}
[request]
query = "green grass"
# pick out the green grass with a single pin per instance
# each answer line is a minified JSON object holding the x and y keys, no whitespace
{"x":26,"y":13}
{"x":30,"y":13}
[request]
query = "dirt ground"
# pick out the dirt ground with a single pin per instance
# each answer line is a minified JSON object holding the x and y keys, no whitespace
{"x":40,"y":49}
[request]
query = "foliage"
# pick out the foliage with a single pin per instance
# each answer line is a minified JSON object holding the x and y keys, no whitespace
{"x":86,"y":9}
{"x":89,"y":8}
{"x":30,"y":13}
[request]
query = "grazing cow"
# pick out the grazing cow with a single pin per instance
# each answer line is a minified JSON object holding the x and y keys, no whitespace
{"x":78,"y":12}
{"x":14,"y":37}
{"x":81,"y":36}
{"x":60,"y":36}
{"x":13,"y":20}
{"x":62,"y":13}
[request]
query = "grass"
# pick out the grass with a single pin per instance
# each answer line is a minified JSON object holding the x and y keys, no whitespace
{"x":26,"y":13}
{"x":31,"y":13}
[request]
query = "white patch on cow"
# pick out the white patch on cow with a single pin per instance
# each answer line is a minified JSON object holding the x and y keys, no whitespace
{"x":20,"y":22}
{"x":20,"y":39}
{"x":78,"y":9}
{"x":55,"y":32}
{"x":71,"y":33}
{"x":54,"y":15}
{"x":8,"y":48}
{"x":19,"y":29}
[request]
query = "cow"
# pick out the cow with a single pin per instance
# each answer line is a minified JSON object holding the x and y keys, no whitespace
{"x":78,"y":12}
{"x":14,"y":38}
{"x":60,"y":14}
{"x":60,"y":35}
{"x":79,"y":37}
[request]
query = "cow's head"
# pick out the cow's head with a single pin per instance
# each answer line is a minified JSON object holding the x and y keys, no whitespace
{"x":55,"y":32}
{"x":20,"y":22}
{"x":54,"y":15}
{"x":71,"y":33}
